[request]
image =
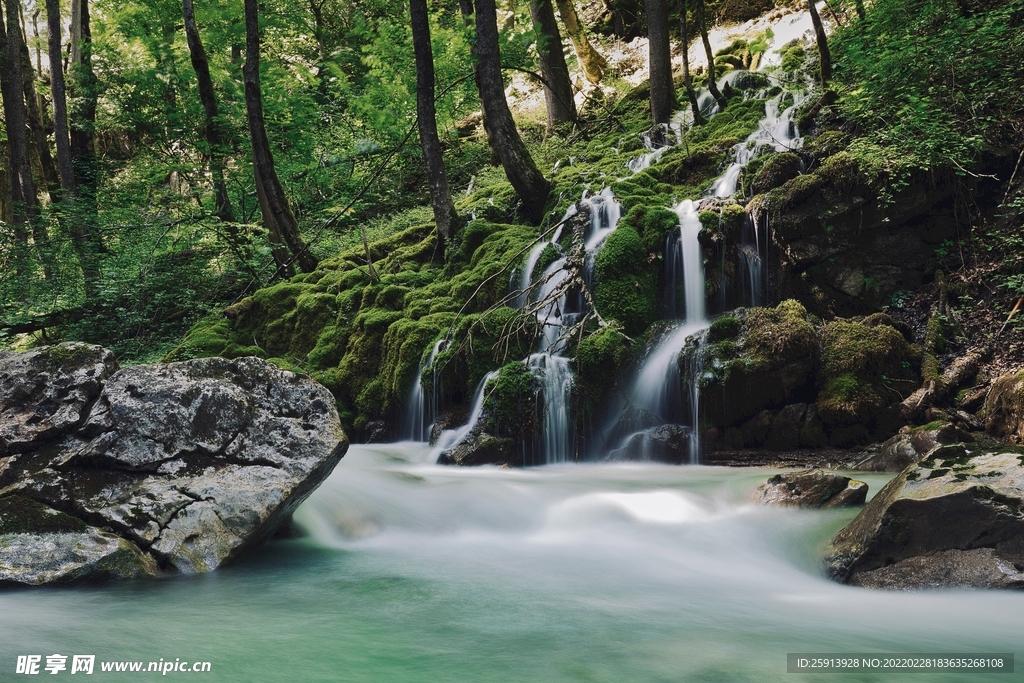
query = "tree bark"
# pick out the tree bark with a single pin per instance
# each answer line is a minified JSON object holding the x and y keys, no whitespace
{"x":440,"y":194}
{"x":698,"y":118}
{"x":59,"y":96}
{"x":214,"y":134}
{"x":558,"y":98}
{"x":591,"y":61}
{"x":712,"y":85}
{"x":825,"y":57}
{"x":662,"y":91}
{"x":24,"y":203}
{"x":36,"y":125}
{"x":277,"y":214}
{"x":528,"y":182}
{"x":468,"y":14}
{"x":859,"y":5}
{"x":23,"y":188}
{"x":83,"y":125}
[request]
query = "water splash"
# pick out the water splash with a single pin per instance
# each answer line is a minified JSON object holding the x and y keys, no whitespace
{"x":450,"y":438}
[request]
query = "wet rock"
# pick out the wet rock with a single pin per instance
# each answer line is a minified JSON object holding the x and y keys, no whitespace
{"x":755,"y":430}
{"x":812,"y":431}
{"x":813,"y":489}
{"x":954,"y":519}
{"x":40,"y":545}
{"x":909,"y":447}
{"x":666,"y":443}
{"x":184,"y":464}
{"x":376,"y":432}
{"x":480,"y":449}
{"x":784,"y":434}
{"x":44,"y":393}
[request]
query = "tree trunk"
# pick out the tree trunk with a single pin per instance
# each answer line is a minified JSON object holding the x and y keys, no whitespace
{"x":37,"y":127}
{"x":591,"y":61}
{"x":823,"y":54}
{"x":59,"y":95}
{"x":698,"y":118}
{"x":214,"y":135}
{"x":24,"y":203}
{"x":859,"y":5}
{"x":277,"y":214}
{"x":557,"y":89}
{"x":83,"y":126}
{"x":440,"y":195}
{"x":466,"y":8}
{"x":712,"y":85}
{"x":662,"y":91}
{"x":528,"y":182}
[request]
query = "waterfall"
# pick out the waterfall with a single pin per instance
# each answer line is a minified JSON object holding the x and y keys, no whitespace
{"x":421,"y":408}
{"x":692,"y":260}
{"x":449,"y":438}
{"x":554,"y":373}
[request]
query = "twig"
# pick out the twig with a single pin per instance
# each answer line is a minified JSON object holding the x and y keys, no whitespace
{"x":1016,"y":307}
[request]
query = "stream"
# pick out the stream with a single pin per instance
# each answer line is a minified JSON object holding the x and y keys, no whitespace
{"x":412,"y":571}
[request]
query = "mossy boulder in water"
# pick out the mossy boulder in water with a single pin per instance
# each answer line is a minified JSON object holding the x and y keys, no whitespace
{"x":954,"y":519}
{"x":865,"y":373}
{"x":753,"y":360}
{"x":183,"y":465}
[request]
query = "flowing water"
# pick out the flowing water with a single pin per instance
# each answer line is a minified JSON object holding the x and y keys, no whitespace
{"x":414,"y":572}
{"x":421,"y":408}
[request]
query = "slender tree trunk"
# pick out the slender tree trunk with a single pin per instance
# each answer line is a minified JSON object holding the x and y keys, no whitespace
{"x":5,"y":183}
{"x":824,"y":55}
{"x":277,"y":214}
{"x":440,"y":195}
{"x":25,"y":204}
{"x":466,"y":8}
{"x":83,"y":125}
{"x":528,"y":182}
{"x":698,"y":118}
{"x":660,"y":60}
{"x":561,"y":108}
{"x":37,"y":127}
{"x":59,"y":95}
{"x":214,"y":134}
{"x":712,"y":84}
{"x":859,"y":5}
{"x":591,"y":61}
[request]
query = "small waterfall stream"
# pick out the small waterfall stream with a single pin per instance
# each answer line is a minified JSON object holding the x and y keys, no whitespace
{"x":421,"y":410}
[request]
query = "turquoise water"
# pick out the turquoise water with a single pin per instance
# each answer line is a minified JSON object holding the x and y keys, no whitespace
{"x":413,"y":572}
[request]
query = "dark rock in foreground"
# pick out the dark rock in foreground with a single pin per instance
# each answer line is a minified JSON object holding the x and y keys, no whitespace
{"x":954,"y":519}
{"x":907,"y":448}
{"x":183,"y":465}
{"x":812,"y":489}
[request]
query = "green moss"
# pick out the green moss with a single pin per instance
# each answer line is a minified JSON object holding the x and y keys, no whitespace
{"x":654,"y":223}
{"x":864,"y":370}
{"x":627,"y":288}
{"x":22,"y":515}
{"x":599,"y":360}
{"x":779,"y":333}
{"x":725,"y":327}
{"x":776,"y":171}
{"x":511,"y":402}
{"x":793,"y":57}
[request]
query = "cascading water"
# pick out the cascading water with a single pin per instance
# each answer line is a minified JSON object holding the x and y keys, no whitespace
{"x":451,"y":437}
{"x":421,"y":410}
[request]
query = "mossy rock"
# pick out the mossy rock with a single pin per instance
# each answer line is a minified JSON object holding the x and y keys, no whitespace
{"x":827,"y":143}
{"x":865,"y":373}
{"x":22,"y":515}
{"x":754,"y":360}
{"x":776,"y":171}
{"x":653,"y":223}
{"x":512,"y":403}
{"x":627,"y":287}
{"x":599,"y":360}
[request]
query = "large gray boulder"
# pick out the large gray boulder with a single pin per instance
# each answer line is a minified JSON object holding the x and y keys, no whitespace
{"x":908,"y":447}
{"x":184,"y":464}
{"x":954,"y":519}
